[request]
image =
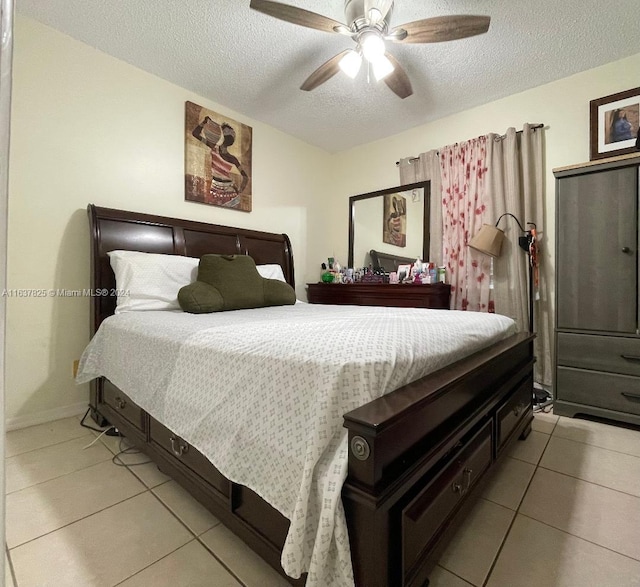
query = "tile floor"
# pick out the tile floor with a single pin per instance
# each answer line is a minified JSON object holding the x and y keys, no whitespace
{"x":563,"y":510}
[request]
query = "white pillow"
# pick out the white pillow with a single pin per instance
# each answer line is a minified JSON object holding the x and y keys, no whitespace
{"x":149,"y":281}
{"x":272,"y":271}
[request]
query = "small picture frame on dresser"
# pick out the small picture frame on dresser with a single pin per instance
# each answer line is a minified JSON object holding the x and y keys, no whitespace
{"x":404,"y":272}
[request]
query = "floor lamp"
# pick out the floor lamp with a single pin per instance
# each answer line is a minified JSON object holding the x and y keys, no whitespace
{"x":489,"y":241}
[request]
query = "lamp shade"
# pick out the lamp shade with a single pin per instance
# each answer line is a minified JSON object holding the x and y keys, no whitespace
{"x":488,"y":240}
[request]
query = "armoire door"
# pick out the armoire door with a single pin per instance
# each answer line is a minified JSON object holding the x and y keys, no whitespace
{"x":597,"y":243}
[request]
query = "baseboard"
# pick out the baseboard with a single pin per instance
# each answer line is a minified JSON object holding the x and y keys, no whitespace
{"x":46,"y":416}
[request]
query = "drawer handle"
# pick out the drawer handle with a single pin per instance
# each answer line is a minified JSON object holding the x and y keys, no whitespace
{"x":634,"y":397}
{"x":519,"y":409}
{"x":462,"y":488}
{"x":182,"y":447}
{"x":630,"y":357}
{"x":120,"y":403}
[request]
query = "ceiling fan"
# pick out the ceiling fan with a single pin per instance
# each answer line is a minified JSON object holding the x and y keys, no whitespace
{"x":369,"y":26}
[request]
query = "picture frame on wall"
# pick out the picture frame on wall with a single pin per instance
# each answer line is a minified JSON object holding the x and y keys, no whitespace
{"x":613,"y":123}
{"x":218,"y":159}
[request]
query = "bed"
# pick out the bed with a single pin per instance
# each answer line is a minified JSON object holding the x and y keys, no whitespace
{"x":416,"y":456}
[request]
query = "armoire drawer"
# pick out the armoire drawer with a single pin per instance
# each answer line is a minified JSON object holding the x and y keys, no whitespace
{"x":513,"y":410}
{"x":600,"y":353}
{"x":603,"y":390}
{"x":189,"y":456}
{"x":431,"y":508}
{"x":122,"y":404}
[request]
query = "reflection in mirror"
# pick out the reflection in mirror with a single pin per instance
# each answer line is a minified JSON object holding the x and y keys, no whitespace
{"x":394,"y":223}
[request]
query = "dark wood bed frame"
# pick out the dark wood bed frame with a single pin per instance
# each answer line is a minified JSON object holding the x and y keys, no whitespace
{"x":418,"y":456}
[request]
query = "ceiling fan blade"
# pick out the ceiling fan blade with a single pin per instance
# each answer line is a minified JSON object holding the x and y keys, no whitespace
{"x":296,"y":15}
{"x":398,"y":80}
{"x":324,"y":73}
{"x":443,"y":28}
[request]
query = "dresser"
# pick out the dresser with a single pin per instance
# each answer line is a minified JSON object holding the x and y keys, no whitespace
{"x":435,"y":296}
{"x":597,"y":306}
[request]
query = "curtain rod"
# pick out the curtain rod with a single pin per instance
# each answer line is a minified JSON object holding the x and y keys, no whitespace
{"x":533,"y":127}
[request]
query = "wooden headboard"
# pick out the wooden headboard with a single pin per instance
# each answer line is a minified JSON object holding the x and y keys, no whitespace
{"x":388,"y":262}
{"x":132,"y":231}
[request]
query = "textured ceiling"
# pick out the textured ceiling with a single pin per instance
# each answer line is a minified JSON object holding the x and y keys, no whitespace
{"x":255,"y":64}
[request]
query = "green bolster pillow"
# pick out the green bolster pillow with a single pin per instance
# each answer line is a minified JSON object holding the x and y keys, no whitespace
{"x":232,"y":282}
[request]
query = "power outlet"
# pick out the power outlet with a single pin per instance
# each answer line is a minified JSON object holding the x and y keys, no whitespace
{"x":75,"y":367}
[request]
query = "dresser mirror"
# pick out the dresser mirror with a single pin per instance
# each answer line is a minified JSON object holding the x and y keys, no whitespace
{"x":393,"y":223}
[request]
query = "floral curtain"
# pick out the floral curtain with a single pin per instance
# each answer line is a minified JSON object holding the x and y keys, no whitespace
{"x":466,"y":207}
{"x":480,"y":180}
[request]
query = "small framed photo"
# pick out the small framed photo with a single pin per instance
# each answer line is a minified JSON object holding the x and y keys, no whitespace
{"x":404,"y":273}
{"x":614,"y":122}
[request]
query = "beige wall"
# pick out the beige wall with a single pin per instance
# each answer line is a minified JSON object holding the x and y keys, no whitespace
{"x":89,"y":128}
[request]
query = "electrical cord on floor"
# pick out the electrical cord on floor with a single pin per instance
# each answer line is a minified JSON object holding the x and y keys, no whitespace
{"x":98,"y":437}
{"x":113,"y":431}
{"x":130,"y":450}
{"x":544,"y":408}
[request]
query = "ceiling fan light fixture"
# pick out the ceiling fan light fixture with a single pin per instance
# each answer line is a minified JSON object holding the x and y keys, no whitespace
{"x":350,"y":64}
{"x":382,"y":67}
{"x":372,"y":46}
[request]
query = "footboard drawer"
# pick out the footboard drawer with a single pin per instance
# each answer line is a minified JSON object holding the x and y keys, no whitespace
{"x":163,"y":437}
{"x":427,"y":515}
{"x":514,"y":409}
{"x":122,"y":404}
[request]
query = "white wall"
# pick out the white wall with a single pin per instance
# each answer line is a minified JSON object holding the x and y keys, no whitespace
{"x":88,"y":128}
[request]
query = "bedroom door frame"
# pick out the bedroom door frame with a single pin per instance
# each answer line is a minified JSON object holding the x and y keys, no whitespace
{"x":6,"y":59}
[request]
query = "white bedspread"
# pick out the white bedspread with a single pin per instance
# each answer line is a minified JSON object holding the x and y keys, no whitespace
{"x":262,"y":392}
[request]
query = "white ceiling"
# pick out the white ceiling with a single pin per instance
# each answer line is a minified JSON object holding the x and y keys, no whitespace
{"x":255,"y":64}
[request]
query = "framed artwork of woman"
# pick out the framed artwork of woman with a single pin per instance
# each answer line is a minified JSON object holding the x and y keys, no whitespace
{"x":394,"y":230}
{"x":615,"y":124}
{"x":217,"y":159}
